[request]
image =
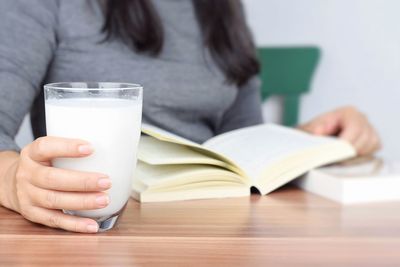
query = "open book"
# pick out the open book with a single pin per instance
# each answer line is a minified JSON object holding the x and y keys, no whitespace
{"x":228,"y":165}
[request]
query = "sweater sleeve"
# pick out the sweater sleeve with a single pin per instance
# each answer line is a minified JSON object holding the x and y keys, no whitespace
{"x":246,"y":109}
{"x":27,"y":44}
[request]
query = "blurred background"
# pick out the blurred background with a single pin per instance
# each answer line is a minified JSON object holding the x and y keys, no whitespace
{"x":360,"y":61}
{"x":359,"y":65}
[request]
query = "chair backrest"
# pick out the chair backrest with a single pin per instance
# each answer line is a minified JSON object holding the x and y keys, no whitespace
{"x":287,"y":72}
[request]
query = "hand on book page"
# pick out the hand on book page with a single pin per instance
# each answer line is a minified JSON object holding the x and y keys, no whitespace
{"x":264,"y":156}
{"x":254,"y":148}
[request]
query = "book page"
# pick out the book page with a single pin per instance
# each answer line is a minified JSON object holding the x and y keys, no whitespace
{"x":157,"y":152}
{"x":257,"y":147}
{"x":165,"y":136}
{"x":170,"y":176}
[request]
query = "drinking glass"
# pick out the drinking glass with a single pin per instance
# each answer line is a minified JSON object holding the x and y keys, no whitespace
{"x":108,"y":116}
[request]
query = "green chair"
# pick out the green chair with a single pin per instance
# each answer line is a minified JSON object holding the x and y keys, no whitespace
{"x":287,"y":72}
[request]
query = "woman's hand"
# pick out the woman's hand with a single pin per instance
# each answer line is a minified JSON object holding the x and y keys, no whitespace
{"x":349,"y":124}
{"x":40,"y":191}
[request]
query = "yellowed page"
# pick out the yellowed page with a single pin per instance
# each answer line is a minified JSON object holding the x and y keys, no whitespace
{"x":157,"y":152}
{"x":163,"y":135}
{"x":180,"y":182}
{"x":163,"y":176}
{"x":166,"y":136}
{"x":257,"y":148}
{"x":285,"y":170}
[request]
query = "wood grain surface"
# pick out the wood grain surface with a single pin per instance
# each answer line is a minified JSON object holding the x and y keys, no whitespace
{"x":288,"y":227}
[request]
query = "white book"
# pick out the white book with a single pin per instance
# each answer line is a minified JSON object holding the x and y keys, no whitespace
{"x":355,"y":181}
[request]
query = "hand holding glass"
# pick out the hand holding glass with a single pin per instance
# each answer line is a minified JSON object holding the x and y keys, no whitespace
{"x":108,"y":116}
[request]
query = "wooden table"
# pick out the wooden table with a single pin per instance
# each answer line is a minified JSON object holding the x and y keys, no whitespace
{"x":286,"y":228}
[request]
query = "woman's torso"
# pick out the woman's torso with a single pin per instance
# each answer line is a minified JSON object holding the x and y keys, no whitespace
{"x":184,"y":91}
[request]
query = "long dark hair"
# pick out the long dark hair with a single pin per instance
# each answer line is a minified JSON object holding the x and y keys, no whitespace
{"x":222,"y":23}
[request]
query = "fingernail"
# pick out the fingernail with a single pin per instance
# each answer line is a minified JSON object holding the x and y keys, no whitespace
{"x":92,"y":228}
{"x":85,"y":149}
{"x":104,"y":183}
{"x":103,"y":200}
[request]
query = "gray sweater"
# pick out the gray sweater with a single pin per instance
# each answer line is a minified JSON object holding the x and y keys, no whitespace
{"x":53,"y":41}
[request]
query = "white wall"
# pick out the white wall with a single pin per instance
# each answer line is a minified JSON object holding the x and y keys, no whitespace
{"x":360,"y":40}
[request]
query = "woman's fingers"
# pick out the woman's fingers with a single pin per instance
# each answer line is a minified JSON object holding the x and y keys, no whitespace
{"x":376,"y":141}
{"x":360,"y":134}
{"x":51,"y":199}
{"x":49,"y":147}
{"x":57,"y":219}
{"x":349,"y":124}
{"x":371,"y":144}
{"x":69,"y":180}
{"x":326,"y":124}
{"x":351,"y":131}
{"x":312,"y":127}
{"x":361,"y":144}
{"x":41,"y":190}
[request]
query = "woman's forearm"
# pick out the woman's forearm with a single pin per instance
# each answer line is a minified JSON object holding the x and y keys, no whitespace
{"x":8,"y":168}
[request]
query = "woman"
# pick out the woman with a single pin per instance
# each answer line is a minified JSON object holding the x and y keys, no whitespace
{"x":195,"y":59}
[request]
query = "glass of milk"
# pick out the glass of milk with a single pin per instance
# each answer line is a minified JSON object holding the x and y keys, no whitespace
{"x":108,"y":116}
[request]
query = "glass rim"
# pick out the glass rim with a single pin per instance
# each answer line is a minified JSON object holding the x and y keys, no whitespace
{"x":109,"y":86}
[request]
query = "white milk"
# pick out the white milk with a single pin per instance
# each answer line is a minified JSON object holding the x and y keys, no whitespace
{"x":112,"y":126}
